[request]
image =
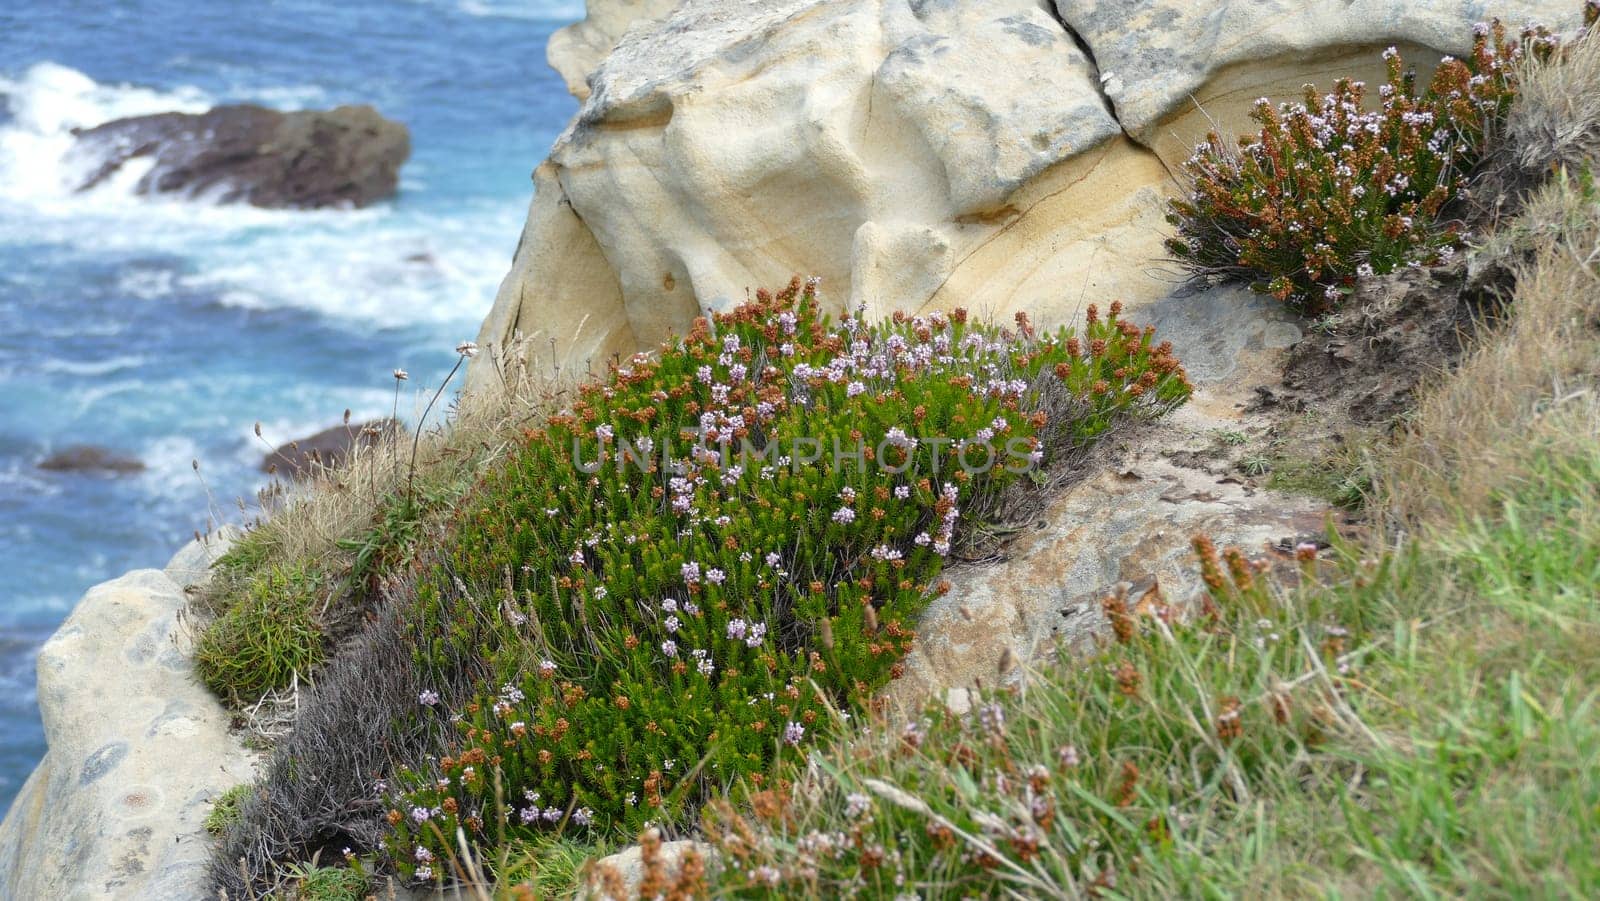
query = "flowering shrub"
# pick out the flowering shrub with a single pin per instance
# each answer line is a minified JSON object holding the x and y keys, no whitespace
{"x":677,"y":581}
{"x":1328,"y":192}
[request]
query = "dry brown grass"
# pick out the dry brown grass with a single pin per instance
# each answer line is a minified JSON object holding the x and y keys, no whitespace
{"x":307,"y":523}
{"x":351,"y":528}
{"x":1537,"y":384}
{"x":1556,"y":120}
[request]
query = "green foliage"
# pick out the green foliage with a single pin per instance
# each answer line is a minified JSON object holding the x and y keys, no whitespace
{"x":1420,"y":724}
{"x":1327,"y":192}
{"x":659,"y":615}
{"x":552,"y":866}
{"x":1255,"y":465}
{"x":310,"y":882}
{"x":225,"y":809}
{"x":1334,"y":478}
{"x":247,"y":555}
{"x":266,"y":637}
{"x":391,"y":540}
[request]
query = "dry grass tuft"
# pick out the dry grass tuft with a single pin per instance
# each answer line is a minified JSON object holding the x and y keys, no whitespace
{"x":343,"y":532}
{"x":1556,"y":119}
{"x":1536,"y":384}
{"x":310,"y":524}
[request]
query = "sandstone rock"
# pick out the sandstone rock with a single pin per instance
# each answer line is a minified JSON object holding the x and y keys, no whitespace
{"x":1130,"y":527}
{"x":877,"y":144}
{"x":629,"y":870}
{"x":345,"y":157}
{"x":191,"y":565}
{"x":91,"y":458}
{"x":327,"y":447}
{"x":914,"y":155}
{"x":137,"y":750}
{"x":575,"y":51}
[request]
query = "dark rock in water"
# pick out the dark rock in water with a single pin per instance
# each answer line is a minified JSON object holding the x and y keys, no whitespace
{"x":89,"y":458}
{"x":345,"y":157}
{"x":327,"y":447}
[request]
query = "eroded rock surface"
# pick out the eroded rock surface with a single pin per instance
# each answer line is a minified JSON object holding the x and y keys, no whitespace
{"x":137,"y":750}
{"x":1159,"y":59}
{"x":618,"y":877}
{"x":911,"y":154}
{"x":345,"y":157}
{"x":1004,"y":155}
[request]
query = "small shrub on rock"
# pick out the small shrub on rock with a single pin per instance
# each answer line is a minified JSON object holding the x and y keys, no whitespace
{"x":687,"y":575}
{"x":225,"y":809}
{"x":1328,"y":191}
{"x":267,"y":637}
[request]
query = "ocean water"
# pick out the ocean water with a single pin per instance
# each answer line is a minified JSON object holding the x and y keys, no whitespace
{"x":167,"y":328}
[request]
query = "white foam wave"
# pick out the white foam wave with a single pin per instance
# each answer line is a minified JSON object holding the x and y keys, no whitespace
{"x":534,"y":10}
{"x":169,"y":473}
{"x":47,"y":103}
{"x":91,"y":367}
{"x":393,"y":270}
{"x":387,"y":265}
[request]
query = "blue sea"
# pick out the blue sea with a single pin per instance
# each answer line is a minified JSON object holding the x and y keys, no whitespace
{"x":167,"y":328}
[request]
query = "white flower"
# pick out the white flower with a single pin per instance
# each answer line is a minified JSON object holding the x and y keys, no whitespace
{"x":400,"y":375}
{"x":844,"y":515}
{"x":672,"y":624}
{"x":897,"y":437}
{"x":428,"y":698}
{"x":670,"y":648}
{"x":467,"y":349}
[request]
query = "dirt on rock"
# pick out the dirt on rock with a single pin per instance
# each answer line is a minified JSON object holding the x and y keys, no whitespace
{"x":1364,"y":365}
